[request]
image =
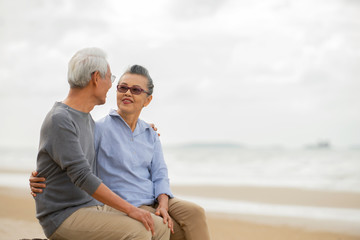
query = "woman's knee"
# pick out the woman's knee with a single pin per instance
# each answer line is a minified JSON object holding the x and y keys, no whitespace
{"x":195,"y":210}
{"x":161,"y":229}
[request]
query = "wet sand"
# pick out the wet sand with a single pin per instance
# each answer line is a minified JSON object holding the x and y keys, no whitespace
{"x":17,"y":214}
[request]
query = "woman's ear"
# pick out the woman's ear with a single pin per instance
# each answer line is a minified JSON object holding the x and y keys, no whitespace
{"x":147,"y":101}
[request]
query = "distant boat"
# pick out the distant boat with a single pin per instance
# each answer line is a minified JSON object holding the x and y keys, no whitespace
{"x":320,"y":145}
{"x":212,"y":145}
{"x":323,"y":144}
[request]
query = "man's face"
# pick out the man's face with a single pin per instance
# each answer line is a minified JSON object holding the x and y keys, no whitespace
{"x":104,"y":86}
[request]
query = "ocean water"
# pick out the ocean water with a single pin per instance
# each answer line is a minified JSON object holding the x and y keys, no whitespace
{"x":326,"y":169}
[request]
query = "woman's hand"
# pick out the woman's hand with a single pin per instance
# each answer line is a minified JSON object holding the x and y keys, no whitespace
{"x":36,"y":183}
{"x":160,"y":211}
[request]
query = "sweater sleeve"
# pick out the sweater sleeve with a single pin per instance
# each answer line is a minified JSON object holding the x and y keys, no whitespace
{"x":67,"y":152}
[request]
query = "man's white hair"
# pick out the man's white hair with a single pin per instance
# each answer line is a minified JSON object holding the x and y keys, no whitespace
{"x":85,"y":62}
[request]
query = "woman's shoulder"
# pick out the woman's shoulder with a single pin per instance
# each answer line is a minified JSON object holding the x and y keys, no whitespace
{"x":104,"y":120}
{"x":144,"y":125}
{"x":150,"y":133}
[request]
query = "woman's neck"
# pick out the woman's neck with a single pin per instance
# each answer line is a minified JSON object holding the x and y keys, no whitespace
{"x":130,"y":119}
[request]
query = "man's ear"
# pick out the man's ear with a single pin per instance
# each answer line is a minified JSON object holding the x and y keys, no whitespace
{"x":95,"y":78}
{"x":148,"y":100}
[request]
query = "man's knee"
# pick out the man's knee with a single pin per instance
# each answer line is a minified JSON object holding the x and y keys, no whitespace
{"x":144,"y":234}
{"x":138,"y":234}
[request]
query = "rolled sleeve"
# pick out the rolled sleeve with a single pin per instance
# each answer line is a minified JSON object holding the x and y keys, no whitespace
{"x":159,"y":172}
{"x":91,"y":183}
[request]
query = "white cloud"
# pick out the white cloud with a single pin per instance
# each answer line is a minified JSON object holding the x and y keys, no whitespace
{"x":257,"y":72}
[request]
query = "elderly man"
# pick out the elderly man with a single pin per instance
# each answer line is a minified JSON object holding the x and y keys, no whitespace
{"x":67,"y":208}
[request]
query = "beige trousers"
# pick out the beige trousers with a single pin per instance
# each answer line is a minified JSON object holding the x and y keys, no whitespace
{"x":189,"y":220}
{"x":104,"y":222}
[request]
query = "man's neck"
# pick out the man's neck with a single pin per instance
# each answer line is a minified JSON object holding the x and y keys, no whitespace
{"x":80,"y":100}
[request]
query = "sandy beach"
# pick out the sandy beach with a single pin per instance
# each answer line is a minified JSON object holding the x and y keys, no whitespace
{"x":17,"y":214}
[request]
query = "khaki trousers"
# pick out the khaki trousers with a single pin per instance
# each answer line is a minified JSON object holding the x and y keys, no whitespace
{"x":104,"y":222}
{"x":189,"y":220}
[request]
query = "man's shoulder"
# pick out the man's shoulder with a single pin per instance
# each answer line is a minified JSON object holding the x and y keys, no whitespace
{"x":58,"y":113}
{"x":59,"y":116}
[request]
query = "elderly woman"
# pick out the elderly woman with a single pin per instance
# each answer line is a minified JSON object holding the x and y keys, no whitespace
{"x":130,"y":159}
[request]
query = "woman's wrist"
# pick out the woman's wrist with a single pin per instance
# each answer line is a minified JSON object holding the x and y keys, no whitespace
{"x":163,"y":200}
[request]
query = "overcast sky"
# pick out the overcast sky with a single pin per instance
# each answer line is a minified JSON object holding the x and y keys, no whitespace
{"x":263,"y":72}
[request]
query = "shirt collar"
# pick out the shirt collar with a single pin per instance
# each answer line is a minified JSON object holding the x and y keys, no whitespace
{"x":141,"y":126}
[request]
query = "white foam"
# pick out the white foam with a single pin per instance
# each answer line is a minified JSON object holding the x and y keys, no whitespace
{"x":265,"y":209}
{"x":345,"y":220}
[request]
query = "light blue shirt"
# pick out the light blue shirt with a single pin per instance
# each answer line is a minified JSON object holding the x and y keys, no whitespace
{"x":130,"y":163}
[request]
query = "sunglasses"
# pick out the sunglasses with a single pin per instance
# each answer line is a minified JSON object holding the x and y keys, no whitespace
{"x":134,"y":89}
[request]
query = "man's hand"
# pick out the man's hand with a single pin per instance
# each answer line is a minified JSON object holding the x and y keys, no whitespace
{"x":108,"y":197}
{"x":36,"y":183}
{"x":144,"y":217}
{"x":155,"y":128}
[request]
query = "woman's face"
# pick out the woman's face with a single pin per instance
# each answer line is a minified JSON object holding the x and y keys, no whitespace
{"x":129,"y":103}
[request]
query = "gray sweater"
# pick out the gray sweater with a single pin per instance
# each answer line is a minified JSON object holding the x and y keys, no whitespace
{"x":66,"y":157}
